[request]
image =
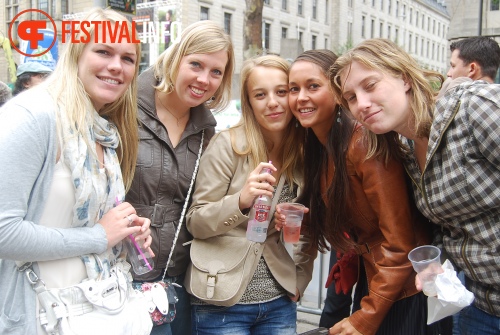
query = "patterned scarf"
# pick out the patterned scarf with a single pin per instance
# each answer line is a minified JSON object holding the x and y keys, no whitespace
{"x":95,"y":190}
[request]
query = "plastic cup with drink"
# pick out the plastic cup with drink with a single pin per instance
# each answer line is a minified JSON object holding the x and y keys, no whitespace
{"x":294,"y":213}
{"x":426,"y":263}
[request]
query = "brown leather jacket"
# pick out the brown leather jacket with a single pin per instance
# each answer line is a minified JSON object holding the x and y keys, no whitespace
{"x":162,"y":177}
{"x":388,"y":226}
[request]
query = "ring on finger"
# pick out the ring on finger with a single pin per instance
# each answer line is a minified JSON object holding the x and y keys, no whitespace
{"x":129,"y":220}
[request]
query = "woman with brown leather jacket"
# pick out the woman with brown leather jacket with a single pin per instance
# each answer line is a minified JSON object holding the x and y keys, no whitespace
{"x":359,"y":204}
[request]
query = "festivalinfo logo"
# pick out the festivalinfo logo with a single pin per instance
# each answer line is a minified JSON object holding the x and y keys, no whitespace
{"x":71,"y":31}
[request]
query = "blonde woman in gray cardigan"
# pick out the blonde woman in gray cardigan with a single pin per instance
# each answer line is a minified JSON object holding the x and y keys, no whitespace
{"x":68,"y":149}
{"x":228,"y":182}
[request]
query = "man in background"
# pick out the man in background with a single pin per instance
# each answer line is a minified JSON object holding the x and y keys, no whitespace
{"x":477,"y":58}
{"x":29,"y":75}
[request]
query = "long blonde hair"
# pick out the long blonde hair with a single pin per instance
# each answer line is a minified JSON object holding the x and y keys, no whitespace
{"x":385,"y":56}
{"x":69,"y":93}
{"x":201,"y":37}
{"x":292,"y":146}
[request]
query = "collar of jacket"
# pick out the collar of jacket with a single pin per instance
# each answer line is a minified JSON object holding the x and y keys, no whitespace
{"x":201,"y":117}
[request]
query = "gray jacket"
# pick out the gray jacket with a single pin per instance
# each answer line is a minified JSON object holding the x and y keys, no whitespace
{"x":460,"y":185}
{"x":28,"y":148}
{"x":163,"y":174}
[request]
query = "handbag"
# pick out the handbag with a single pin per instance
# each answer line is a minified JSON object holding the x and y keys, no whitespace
{"x":222,"y":266}
{"x":89,"y":307}
{"x":163,"y":296}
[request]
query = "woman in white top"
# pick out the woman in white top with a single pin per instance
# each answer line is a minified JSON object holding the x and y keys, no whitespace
{"x":68,"y":149}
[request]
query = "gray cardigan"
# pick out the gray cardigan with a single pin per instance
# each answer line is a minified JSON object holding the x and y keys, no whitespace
{"x":28,"y":149}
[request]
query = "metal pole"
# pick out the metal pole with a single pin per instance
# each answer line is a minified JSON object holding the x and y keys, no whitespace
{"x":480,"y":27}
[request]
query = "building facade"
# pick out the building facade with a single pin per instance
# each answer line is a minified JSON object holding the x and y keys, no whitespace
{"x":289,"y":26}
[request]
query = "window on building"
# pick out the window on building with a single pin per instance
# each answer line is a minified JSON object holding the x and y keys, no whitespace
{"x":327,"y":11}
{"x":397,"y":8}
{"x":422,"y":46}
{"x":267,"y":35}
{"x":373,"y":3}
{"x":11,"y":10}
{"x":381,"y":5}
{"x":326,"y":43}
{"x":299,"y":7}
{"x":349,"y":3}
{"x":204,"y":13}
{"x":284,"y":32}
{"x":410,"y":49}
{"x":494,"y":5}
{"x":300,"y":36}
{"x":267,"y":2}
{"x":433,"y":53}
{"x":372,"y":29}
{"x":411,"y":15}
{"x":428,"y":49}
{"x":381,"y":30}
{"x":314,"y":41}
{"x":227,"y":23}
{"x":389,"y":31}
{"x":363,"y":24}
{"x":416,"y":19}
{"x":349,"y":31}
{"x":315,"y":9}
{"x":396,"y":36}
{"x":389,"y":6}
{"x":284,"y":4}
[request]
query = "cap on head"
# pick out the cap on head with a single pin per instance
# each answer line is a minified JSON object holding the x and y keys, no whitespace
{"x":34,"y":67}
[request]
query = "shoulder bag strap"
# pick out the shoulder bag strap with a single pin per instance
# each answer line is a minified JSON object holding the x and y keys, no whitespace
{"x":183,"y":213}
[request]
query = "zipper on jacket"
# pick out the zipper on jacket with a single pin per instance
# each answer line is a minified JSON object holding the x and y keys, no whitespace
{"x":462,"y":253}
{"x":422,"y":188}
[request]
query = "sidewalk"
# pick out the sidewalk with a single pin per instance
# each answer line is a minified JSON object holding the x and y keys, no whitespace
{"x":307,"y":321}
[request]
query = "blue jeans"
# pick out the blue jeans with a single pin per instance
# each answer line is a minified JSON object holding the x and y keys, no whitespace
{"x":474,"y":321}
{"x":456,"y":316}
{"x":277,"y":317}
{"x":182,"y":322}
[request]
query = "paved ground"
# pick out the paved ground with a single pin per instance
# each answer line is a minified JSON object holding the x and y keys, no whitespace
{"x":307,"y":321}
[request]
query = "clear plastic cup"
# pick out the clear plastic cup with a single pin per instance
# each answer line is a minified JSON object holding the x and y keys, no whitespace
{"x":425,"y":260}
{"x":294,"y":213}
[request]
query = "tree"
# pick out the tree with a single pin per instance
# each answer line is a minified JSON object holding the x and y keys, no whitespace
{"x":252,"y":28}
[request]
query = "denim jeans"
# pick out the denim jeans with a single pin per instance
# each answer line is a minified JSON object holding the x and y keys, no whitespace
{"x":182,"y":322}
{"x":277,"y":317}
{"x":474,"y":321}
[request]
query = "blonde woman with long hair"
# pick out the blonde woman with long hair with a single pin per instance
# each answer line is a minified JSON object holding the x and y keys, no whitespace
{"x":450,"y":148}
{"x":69,"y":147}
{"x":229,"y":181}
{"x":175,"y":97}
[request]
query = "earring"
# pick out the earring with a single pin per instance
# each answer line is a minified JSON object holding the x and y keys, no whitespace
{"x":339,"y":116}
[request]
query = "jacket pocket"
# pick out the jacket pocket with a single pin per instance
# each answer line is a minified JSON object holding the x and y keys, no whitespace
{"x":146,"y":149}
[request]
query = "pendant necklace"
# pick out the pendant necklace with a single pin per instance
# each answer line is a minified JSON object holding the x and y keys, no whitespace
{"x":169,"y":112}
